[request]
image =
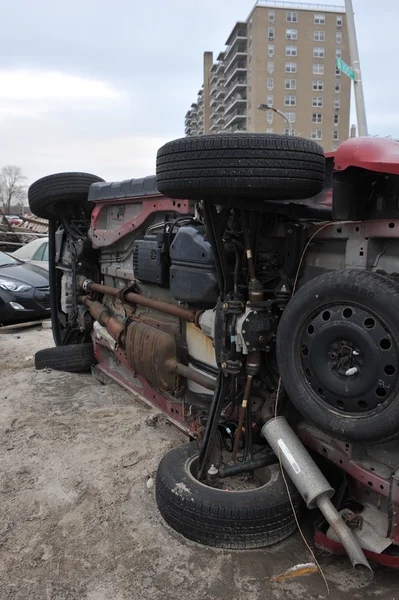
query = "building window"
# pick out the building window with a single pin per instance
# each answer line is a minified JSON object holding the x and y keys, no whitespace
{"x":338,"y":53}
{"x":271,"y":16}
{"x":337,"y":72}
{"x":270,"y":50}
{"x":337,"y":87}
{"x":339,"y":22}
{"x":291,"y":16}
{"x":291,"y":116}
{"x":269,"y":130}
{"x":318,"y":69}
{"x":336,"y":135}
{"x":337,"y":103}
{"x":289,"y":131}
{"x":269,"y":116}
{"x":290,"y":67}
{"x":317,"y":118}
{"x":318,"y":52}
{"x":318,"y":85}
{"x":269,"y":100}
{"x":336,"y":119}
{"x":270,"y":83}
{"x":320,"y":19}
{"x":339,"y":37}
{"x":290,"y":84}
{"x":270,"y":66}
{"x":317,"y":101}
{"x":291,"y":34}
{"x":291,"y":51}
{"x":335,"y":147}
{"x":289,"y":100}
{"x":317,"y":134}
{"x":319,"y":36}
{"x":271,"y":33}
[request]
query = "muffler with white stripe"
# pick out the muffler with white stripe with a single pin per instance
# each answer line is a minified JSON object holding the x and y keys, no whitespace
{"x":311,"y":484}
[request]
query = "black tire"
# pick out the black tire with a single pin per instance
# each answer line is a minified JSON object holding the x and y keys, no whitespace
{"x":49,"y":195}
{"x":228,"y":166}
{"x":76,"y":358}
{"x":339,"y":321}
{"x":236,"y":520}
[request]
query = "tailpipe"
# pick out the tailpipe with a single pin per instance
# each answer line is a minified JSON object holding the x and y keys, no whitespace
{"x":312,"y":485}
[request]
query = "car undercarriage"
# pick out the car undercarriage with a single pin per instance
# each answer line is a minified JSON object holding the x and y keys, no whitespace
{"x":253,"y":279}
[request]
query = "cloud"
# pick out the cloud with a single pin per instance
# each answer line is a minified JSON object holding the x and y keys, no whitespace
{"x":28,"y":84}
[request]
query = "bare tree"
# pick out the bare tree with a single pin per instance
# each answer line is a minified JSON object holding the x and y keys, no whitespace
{"x":12,"y":187}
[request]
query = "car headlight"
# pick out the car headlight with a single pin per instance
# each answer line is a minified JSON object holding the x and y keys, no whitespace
{"x":13,"y":286}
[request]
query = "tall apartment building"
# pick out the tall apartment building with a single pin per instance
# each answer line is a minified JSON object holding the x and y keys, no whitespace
{"x":283,"y":55}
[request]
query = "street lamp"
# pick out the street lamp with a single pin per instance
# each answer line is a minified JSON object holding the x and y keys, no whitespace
{"x":268,"y":107}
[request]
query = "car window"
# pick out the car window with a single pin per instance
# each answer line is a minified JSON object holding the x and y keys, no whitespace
{"x":45,"y":251}
{"x":38,"y":255}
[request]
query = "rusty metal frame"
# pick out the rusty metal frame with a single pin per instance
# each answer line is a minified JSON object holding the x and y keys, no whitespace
{"x":176,"y":411}
{"x":343,"y":455}
{"x":102,"y":238}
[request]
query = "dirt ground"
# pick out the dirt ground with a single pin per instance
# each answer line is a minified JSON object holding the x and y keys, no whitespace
{"x":78,"y":522}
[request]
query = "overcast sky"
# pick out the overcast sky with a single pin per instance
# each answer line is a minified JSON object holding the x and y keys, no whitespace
{"x":99,"y":85}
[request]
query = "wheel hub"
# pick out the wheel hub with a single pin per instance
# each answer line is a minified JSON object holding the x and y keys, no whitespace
{"x":349,"y":358}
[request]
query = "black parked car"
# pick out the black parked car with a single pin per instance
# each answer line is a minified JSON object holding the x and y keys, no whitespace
{"x":24,"y":290}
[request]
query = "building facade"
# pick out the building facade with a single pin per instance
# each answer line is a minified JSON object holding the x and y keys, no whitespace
{"x":283,"y":56}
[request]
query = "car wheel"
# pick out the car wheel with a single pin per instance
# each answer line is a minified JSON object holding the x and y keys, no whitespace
{"x":338,"y":354}
{"x":252,"y":166}
{"x":76,"y":358}
{"x":49,"y":196}
{"x":253,"y":518}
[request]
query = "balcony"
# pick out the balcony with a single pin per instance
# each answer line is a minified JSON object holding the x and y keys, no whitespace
{"x":213,"y":102}
{"x":236,"y":118}
{"x":236,"y":102}
{"x":220,"y":94}
{"x":220,"y":120}
{"x":238,"y":56}
{"x":235,"y":129}
{"x":214,"y":77}
{"x":239,"y":72}
{"x":238,"y":86}
{"x":240,"y":41}
{"x":220,"y":68}
{"x":239,"y":30}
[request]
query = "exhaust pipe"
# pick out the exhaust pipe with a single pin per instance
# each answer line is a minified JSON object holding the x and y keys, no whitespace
{"x":312,"y":485}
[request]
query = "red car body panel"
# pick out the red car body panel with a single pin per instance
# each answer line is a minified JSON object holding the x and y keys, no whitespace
{"x":373,"y":154}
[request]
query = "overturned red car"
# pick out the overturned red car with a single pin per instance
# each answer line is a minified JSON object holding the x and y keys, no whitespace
{"x":250,"y":291}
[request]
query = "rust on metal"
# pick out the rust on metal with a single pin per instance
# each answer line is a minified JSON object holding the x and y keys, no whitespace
{"x":193,"y":375}
{"x":101,"y":314}
{"x":133,"y":298}
{"x":150,"y":352}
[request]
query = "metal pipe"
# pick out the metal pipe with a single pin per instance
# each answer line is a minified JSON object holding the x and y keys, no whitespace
{"x":358,"y":83}
{"x":219,"y":396}
{"x":101,"y":314}
{"x":241,"y":416}
{"x":248,"y":465}
{"x":131,"y":297}
{"x":311,"y":484}
{"x":193,"y":375}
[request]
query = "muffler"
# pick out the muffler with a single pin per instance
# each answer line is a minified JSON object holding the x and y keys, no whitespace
{"x":312,"y":485}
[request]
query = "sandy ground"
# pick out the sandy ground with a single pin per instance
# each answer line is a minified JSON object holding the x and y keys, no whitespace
{"x":77,"y":521}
